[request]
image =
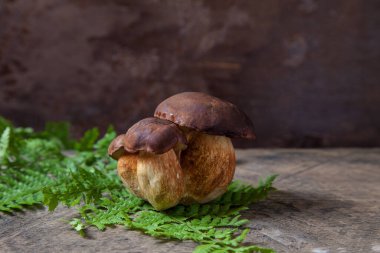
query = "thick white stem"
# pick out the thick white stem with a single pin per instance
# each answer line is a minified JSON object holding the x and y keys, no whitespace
{"x":209,"y":166}
{"x":156,"y":178}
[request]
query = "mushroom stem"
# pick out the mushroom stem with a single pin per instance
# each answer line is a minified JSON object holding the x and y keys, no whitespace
{"x":155,"y":178}
{"x":178,"y":148}
{"x":208,"y":165}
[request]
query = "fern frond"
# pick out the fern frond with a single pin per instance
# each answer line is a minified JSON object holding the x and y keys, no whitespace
{"x":4,"y":144}
{"x":88,"y":140}
{"x":213,"y":225}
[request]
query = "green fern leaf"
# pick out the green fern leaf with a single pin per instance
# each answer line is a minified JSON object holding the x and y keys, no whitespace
{"x":4,"y":144}
{"x":88,"y":140}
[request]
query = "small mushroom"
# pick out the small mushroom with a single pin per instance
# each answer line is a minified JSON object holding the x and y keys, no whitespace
{"x":116,"y":148}
{"x":208,"y":163}
{"x":148,"y":161}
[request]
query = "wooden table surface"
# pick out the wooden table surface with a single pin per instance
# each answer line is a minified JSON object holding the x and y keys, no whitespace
{"x":328,"y":200}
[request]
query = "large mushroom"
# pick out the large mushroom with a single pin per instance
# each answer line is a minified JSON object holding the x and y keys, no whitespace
{"x":208,"y":163}
{"x":148,"y":163}
{"x":184,"y":154}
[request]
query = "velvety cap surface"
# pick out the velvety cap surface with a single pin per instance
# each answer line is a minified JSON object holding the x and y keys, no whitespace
{"x":116,"y":148}
{"x":207,"y":114}
{"x":153,"y":135}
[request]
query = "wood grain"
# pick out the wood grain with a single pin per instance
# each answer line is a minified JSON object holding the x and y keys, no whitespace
{"x":327,"y":201}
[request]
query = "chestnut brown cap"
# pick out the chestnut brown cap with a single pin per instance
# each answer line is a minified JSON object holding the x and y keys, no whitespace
{"x":153,"y":135}
{"x":116,"y":148}
{"x":207,"y":114}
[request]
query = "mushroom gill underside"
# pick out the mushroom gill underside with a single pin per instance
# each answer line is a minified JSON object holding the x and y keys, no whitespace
{"x":197,"y":174}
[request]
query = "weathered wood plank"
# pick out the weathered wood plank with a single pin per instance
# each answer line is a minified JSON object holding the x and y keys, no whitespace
{"x":329,"y":204}
{"x":328,"y":201}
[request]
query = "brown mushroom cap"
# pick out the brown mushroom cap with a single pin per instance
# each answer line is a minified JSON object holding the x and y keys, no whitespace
{"x":207,"y":114}
{"x":116,"y":148}
{"x":153,"y":135}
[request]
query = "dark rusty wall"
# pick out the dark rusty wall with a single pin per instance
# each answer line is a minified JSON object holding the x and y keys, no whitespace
{"x":306,"y":71}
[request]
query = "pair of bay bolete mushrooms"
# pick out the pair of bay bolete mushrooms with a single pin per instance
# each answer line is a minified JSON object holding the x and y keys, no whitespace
{"x":184,"y":153}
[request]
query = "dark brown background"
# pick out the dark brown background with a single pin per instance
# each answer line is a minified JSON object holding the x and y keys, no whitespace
{"x":307,"y":72}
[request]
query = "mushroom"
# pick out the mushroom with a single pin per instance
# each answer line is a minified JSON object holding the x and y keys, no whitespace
{"x":148,"y":163}
{"x":184,"y":154}
{"x":208,"y":163}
